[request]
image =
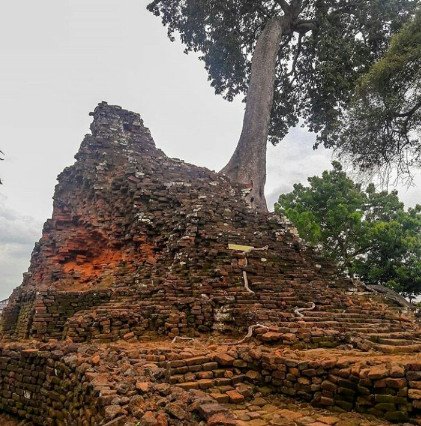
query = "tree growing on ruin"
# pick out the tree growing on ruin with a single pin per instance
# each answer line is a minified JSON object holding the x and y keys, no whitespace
{"x":368,"y":233}
{"x":294,"y":60}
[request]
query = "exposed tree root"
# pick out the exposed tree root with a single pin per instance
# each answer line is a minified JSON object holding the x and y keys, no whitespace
{"x":181,"y":338}
{"x":298,"y":310}
{"x":246,"y":283}
{"x":249,"y":333}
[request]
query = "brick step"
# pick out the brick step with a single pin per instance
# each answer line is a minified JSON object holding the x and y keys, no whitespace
{"x":398,"y":335}
{"x":350,"y":326}
{"x":267,"y":305}
{"x":391,"y":349}
{"x":119,"y":310}
{"x":193,"y":362}
{"x":396,"y":342}
{"x":350,"y":310}
{"x":355,"y":320}
{"x":263,"y":293}
{"x":275,"y":298}
{"x":361,"y":328}
{"x":288,"y":301}
{"x":204,"y":384}
{"x":336,"y":314}
{"x":271,"y":289}
{"x":234,"y":395}
{"x":347,"y":320}
{"x":367,"y":330}
{"x":274,"y":310}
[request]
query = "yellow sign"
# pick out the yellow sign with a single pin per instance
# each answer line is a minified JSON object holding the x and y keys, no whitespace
{"x":238,"y":247}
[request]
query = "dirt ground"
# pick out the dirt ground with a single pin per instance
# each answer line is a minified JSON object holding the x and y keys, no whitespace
{"x":6,"y":420}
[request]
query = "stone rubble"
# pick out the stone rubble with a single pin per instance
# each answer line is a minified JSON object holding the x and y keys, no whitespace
{"x":139,"y":251}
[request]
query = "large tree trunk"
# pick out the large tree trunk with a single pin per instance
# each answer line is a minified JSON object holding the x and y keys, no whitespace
{"x":248,"y":163}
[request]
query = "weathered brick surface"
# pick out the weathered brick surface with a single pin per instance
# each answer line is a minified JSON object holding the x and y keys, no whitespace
{"x":46,"y":387}
{"x":145,"y":239}
{"x":137,"y":249}
{"x":368,"y":385}
{"x":57,"y":383}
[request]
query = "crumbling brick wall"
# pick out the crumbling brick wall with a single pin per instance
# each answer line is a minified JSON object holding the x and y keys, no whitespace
{"x":46,"y":388}
{"x":141,"y":241}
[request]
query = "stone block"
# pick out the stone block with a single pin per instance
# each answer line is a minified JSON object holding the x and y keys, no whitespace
{"x":224,"y":359}
{"x":235,"y":396}
{"x":414,"y":393}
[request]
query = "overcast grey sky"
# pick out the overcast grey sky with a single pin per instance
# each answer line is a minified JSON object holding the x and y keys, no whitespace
{"x":59,"y":59}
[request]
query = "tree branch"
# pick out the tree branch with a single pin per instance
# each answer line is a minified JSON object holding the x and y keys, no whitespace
{"x":284,"y":5}
{"x":411,"y":111}
{"x":303,"y":26}
{"x":263,"y":11}
{"x":297,"y":54}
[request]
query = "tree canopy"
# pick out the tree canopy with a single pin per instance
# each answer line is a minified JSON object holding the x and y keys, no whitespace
{"x":293,"y":60}
{"x":382,"y":128}
{"x":368,"y":233}
{"x":327,"y":46}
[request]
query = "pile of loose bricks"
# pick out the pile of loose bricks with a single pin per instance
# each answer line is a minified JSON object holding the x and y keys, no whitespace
{"x":139,"y":248}
{"x":55,"y":383}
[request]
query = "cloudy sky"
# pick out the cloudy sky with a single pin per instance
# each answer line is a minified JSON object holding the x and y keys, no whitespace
{"x":59,"y":59}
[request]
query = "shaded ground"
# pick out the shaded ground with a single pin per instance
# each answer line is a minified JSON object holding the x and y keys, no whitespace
{"x":270,"y":410}
{"x":6,"y":420}
{"x":277,"y":410}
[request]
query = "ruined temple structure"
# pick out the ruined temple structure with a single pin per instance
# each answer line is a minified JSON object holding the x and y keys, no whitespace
{"x":145,"y":284}
{"x":3,"y":304}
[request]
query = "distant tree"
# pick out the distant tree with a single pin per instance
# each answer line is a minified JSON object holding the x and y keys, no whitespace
{"x":382,"y":128}
{"x":368,"y":233}
{"x":293,"y":59}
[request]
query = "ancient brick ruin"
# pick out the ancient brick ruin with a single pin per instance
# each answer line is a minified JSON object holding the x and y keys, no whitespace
{"x":144,"y":284}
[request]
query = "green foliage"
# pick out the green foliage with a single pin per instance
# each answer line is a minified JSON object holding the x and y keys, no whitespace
{"x":326,"y":47}
{"x":368,"y":233}
{"x":382,"y":128}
